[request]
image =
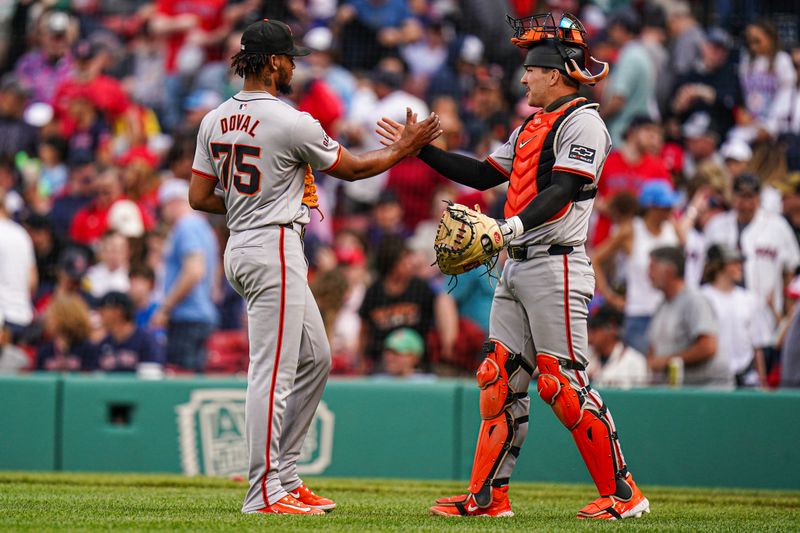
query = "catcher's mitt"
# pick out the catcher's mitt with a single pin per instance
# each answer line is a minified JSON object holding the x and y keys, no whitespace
{"x":310,"y":198}
{"x":466,"y":239}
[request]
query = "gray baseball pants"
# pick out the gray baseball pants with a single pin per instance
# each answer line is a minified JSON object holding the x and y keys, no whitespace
{"x":290,"y":357}
{"x":541,"y":307}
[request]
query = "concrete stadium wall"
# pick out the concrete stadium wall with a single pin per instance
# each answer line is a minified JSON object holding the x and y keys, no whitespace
{"x":378,"y":428}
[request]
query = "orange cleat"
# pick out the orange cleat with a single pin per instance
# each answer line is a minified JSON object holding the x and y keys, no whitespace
{"x":289,"y":505}
{"x":465,"y":505}
{"x":307,"y":496}
{"x":614,"y":508}
{"x":451,"y":500}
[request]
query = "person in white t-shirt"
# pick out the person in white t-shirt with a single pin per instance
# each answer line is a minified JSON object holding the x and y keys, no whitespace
{"x":766,"y":240}
{"x":653,"y":229}
{"x":111,"y":273}
{"x":768,"y":79}
{"x":12,"y":358}
{"x":18,"y":274}
{"x":707,"y":201}
{"x":739,"y":314}
{"x":612,"y":363}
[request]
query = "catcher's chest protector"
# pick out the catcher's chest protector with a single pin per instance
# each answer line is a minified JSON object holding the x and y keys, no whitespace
{"x":534,"y":155}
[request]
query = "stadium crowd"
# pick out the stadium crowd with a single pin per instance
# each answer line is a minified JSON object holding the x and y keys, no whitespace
{"x":105,"y":267}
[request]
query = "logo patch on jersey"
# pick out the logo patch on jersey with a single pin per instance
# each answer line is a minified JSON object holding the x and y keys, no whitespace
{"x":242,"y":106}
{"x":581,"y":153}
{"x":325,"y":140}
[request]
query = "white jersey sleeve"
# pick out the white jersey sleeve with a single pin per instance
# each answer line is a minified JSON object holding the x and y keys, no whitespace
{"x":202,"y":164}
{"x":759,"y":328}
{"x":313,"y":146}
{"x":503,"y":158}
{"x":583,"y":145}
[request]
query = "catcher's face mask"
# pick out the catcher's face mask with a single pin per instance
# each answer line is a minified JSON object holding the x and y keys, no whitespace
{"x":561,"y":46}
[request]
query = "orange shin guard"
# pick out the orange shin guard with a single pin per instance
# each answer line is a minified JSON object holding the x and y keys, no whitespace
{"x":498,"y":428}
{"x":593,"y":438}
{"x":494,"y":443}
{"x":590,"y":428}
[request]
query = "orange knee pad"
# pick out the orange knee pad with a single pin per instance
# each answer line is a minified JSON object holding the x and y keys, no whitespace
{"x":555,"y":389}
{"x":498,"y":367}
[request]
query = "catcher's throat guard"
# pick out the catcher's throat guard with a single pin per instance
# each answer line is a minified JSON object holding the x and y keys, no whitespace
{"x":498,"y":427}
{"x":561,"y":46}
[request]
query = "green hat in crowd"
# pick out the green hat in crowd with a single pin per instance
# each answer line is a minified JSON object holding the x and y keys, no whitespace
{"x":405,"y":340}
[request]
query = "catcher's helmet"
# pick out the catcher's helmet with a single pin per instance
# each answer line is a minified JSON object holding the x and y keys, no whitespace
{"x":560,"y":46}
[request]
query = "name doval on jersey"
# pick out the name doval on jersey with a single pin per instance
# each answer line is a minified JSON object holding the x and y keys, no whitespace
{"x":238,"y":122}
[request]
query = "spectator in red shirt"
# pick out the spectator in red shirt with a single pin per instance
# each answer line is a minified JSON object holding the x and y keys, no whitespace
{"x":91,"y":221}
{"x":106,"y":93}
{"x":194,"y":31}
{"x":140,"y":180}
{"x":412,"y":181}
{"x":628,"y":168}
{"x":321,"y":102}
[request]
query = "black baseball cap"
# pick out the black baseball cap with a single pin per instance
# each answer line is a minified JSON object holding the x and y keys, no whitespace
{"x":85,"y":50}
{"x":640,"y":121}
{"x":119,"y":300}
{"x":606,"y":316}
{"x":387,"y":196}
{"x":719,"y":37}
{"x":628,"y":18}
{"x":723,"y":253}
{"x":74,"y":262}
{"x":746,"y":183}
{"x":271,"y":37}
{"x":37,"y":221}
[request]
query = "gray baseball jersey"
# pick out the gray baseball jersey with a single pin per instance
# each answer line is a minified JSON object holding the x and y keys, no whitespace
{"x":258,"y":147}
{"x":581,"y":146}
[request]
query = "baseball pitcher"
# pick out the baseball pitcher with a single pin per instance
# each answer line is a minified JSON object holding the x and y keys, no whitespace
{"x":253,"y":163}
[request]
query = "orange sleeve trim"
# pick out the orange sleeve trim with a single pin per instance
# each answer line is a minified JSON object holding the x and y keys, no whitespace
{"x":496,"y":165}
{"x":204,"y":175}
{"x":335,"y":163}
{"x":575,"y":171}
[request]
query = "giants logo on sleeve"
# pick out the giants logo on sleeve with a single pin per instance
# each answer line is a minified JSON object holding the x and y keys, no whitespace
{"x":581,"y":153}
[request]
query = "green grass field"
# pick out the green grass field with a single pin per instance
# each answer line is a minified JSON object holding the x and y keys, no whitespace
{"x":88,"y":502}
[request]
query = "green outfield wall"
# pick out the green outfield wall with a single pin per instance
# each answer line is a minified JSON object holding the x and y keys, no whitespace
{"x":379,"y":428}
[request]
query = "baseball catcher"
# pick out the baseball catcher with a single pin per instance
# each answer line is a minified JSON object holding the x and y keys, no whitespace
{"x":538,"y":320}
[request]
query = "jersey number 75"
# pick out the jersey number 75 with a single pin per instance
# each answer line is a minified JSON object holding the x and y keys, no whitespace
{"x":235,"y":154}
